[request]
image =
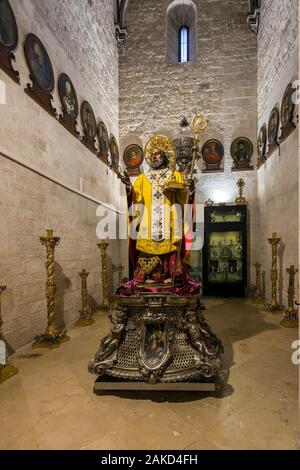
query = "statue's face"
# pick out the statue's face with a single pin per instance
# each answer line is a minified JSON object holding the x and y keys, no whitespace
{"x":157,"y":160}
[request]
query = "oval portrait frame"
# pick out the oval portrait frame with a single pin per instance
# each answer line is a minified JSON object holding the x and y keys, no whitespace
{"x":205,"y":145}
{"x":245,"y":139}
{"x":86,"y":104}
{"x":15,"y":42}
{"x":127,"y":150}
{"x":61,"y":96}
{"x":115,"y":159}
{"x":275,"y":111}
{"x":32,"y":37}
{"x":289,"y":91}
{"x":103,"y":126}
{"x":263,"y":130}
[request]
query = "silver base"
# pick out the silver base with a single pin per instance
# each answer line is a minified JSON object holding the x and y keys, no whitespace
{"x":105,"y":384}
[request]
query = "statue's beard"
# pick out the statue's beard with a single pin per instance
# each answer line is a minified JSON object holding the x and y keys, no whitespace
{"x":158,"y":165}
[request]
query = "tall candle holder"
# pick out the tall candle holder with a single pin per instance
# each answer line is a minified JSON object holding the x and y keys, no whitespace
{"x":290,"y":319}
{"x":6,"y":370}
{"x":85,"y":312}
{"x":102,"y":245}
{"x":120,"y":274}
{"x":258,"y":297}
{"x":53,"y":336}
{"x":241,"y":185}
{"x":274,"y":305}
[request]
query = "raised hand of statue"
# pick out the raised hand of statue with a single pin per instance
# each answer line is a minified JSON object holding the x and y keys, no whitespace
{"x":125,"y":180}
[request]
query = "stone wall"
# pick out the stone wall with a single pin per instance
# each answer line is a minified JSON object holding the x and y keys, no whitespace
{"x":278,"y":179}
{"x":222,"y":83}
{"x":80,"y":40}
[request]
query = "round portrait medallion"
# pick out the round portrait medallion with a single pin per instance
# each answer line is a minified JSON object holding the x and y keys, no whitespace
{"x":103,"y":140}
{"x":114,"y":152}
{"x":273,"y":126}
{"x":68,"y":96}
{"x":133,"y":156}
{"x":212,"y":152}
{"x":287,"y":106}
{"x":38,"y":62}
{"x":8,"y":26}
{"x":241,"y":150}
{"x":262,"y":141}
{"x":88,"y":120}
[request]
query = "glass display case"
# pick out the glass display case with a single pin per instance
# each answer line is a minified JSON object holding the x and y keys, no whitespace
{"x":225,"y":251}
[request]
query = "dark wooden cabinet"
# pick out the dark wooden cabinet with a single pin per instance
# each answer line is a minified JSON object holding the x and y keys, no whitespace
{"x":225,"y":251}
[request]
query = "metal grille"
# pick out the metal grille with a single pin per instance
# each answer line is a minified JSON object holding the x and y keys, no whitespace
{"x":128,"y":350}
{"x":183,"y":356}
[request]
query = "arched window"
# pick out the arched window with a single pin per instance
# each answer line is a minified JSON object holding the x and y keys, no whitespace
{"x":183,"y":55}
{"x":181,"y":31}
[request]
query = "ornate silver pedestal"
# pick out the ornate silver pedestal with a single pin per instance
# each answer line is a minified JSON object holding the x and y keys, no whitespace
{"x":158,"y":342}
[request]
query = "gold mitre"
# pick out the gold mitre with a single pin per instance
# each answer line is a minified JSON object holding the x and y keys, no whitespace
{"x":164,"y":144}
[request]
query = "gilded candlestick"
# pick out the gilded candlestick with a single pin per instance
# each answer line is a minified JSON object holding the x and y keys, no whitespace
{"x":120,"y":274}
{"x":258,"y":297}
{"x":53,"y":336}
{"x":6,"y":370}
{"x":85,"y":312}
{"x":290,"y":318}
{"x":241,"y":185}
{"x":274,"y":306}
{"x":102,"y":245}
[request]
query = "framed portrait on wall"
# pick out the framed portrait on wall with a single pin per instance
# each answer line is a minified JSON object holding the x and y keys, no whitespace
{"x":241,"y":152}
{"x":212,"y":154}
{"x":103,"y":142}
{"x":114,"y":153}
{"x":9,"y":39}
{"x":41,"y":73}
{"x":273,"y":127}
{"x":262,"y":145}
{"x":287,"y":112}
{"x":133,"y":158}
{"x":89,"y":126}
{"x":69,"y":103}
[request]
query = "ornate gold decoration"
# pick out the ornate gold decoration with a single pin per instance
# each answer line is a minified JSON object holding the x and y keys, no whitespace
{"x":199,"y":124}
{"x":164,"y":144}
{"x":6,"y":371}
{"x":274,"y":306}
{"x":241,"y":185}
{"x":53,"y":336}
{"x":85,"y":312}
{"x":102,"y":245}
{"x":290,"y":319}
{"x":148,"y":263}
{"x":258,"y":297}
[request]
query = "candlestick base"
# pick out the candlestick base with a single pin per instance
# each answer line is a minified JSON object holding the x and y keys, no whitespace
{"x":46,"y":341}
{"x":290,"y":319}
{"x":87,"y":321}
{"x":274,"y":308}
{"x":103,"y":307}
{"x":258,"y":300}
{"x":6,"y":372}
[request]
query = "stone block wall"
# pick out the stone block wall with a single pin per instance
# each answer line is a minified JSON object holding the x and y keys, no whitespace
{"x":278,"y":179}
{"x":80,"y":40}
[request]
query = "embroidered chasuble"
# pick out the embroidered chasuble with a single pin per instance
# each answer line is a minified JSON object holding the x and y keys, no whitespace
{"x":161,"y":221}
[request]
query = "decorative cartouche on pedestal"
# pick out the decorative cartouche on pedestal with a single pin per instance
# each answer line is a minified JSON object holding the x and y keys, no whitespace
{"x":53,"y":336}
{"x":102,"y":245}
{"x":258,"y":297}
{"x":6,"y":370}
{"x":120,"y":268}
{"x":274,"y":305}
{"x":85,"y":312}
{"x":290,"y":318}
{"x":241,"y":185}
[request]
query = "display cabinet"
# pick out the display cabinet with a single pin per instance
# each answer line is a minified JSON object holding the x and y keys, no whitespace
{"x":225,"y":251}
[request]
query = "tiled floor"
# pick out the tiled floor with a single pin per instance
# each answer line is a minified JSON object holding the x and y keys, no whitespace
{"x":50,"y":404}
